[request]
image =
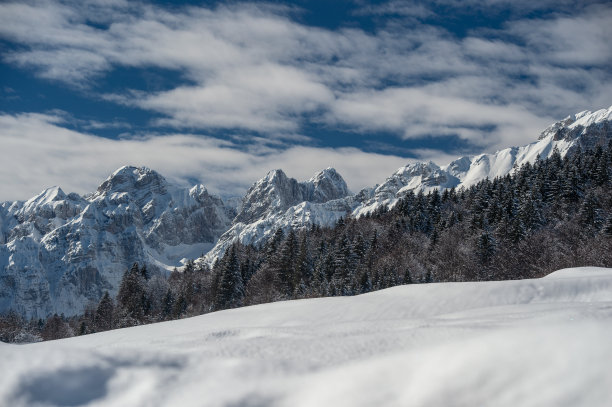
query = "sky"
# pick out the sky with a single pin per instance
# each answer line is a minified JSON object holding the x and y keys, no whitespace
{"x":220,"y":93}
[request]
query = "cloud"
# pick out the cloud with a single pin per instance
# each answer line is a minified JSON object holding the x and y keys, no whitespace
{"x":581,"y":40}
{"x":253,"y":67}
{"x":424,"y":111}
{"x":38,"y":153}
{"x":397,"y":8}
{"x":264,"y":99}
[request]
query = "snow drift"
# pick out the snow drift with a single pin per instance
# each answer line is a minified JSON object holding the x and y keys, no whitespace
{"x":542,"y":342}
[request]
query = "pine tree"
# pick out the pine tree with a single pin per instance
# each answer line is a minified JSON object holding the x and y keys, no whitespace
{"x":231,"y":287}
{"x":145,"y":273}
{"x":167,"y":305}
{"x":105,"y":313}
{"x":132,"y":293}
{"x":407,"y":276}
{"x":180,"y":307}
{"x":56,"y":328}
{"x":365,"y":283}
{"x":602,"y":177}
{"x":486,"y":247}
{"x":303,"y":266}
{"x":285,"y":264}
{"x":590,"y":210}
{"x":607,"y":229}
{"x":429,"y":277}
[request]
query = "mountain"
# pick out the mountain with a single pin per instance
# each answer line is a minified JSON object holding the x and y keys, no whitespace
{"x":532,"y":342}
{"x":585,"y":130}
{"x":58,"y":252}
{"x":277,"y":202}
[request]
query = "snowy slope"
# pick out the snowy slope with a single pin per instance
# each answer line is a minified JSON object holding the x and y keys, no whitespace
{"x":543,"y":342}
{"x":278,"y":202}
{"x":58,"y":252}
{"x":585,"y":129}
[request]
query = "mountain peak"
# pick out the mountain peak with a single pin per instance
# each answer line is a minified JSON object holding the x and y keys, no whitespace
{"x":588,"y":118}
{"x":276,"y":193}
{"x":130,"y":178}
{"x":574,"y":126}
{"x":274,"y":176}
{"x":51,"y":194}
{"x":327,"y":185}
{"x":46,"y":197}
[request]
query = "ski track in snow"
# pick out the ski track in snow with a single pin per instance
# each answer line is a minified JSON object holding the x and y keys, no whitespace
{"x":542,"y":342}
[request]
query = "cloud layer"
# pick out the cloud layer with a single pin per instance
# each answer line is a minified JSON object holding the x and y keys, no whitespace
{"x":41,"y":153}
{"x":253,"y":69}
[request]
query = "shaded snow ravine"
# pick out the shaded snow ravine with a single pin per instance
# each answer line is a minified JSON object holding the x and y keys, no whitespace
{"x":542,"y":342}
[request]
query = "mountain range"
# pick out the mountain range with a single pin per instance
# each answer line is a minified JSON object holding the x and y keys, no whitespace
{"x":59,"y":252}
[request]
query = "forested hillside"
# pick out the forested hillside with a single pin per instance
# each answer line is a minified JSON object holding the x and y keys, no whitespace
{"x":553,"y":214}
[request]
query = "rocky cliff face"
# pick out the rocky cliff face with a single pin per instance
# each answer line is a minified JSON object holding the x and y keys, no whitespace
{"x":278,"y":202}
{"x":60,"y":251}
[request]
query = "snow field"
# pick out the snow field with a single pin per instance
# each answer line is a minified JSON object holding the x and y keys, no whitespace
{"x":543,"y":342}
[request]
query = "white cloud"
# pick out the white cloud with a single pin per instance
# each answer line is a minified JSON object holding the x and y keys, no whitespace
{"x":419,"y":112}
{"x":252,"y":68}
{"x":38,"y":153}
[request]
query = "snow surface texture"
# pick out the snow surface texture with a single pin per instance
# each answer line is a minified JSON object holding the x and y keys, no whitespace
{"x":58,"y":252}
{"x":542,"y":342}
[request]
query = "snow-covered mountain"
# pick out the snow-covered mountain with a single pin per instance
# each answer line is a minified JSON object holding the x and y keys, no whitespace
{"x":58,"y":251}
{"x":276,"y":202}
{"x":585,"y":129}
{"x":540,"y":342}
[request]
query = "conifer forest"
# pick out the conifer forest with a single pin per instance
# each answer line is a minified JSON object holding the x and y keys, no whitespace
{"x":546,"y":216}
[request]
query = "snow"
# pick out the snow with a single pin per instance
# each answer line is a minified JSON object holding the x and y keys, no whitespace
{"x":588,"y":118}
{"x":173,"y":223}
{"x":135,"y":215}
{"x":542,"y":342}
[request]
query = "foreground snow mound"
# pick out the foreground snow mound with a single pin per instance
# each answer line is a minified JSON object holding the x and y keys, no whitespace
{"x":543,"y":342}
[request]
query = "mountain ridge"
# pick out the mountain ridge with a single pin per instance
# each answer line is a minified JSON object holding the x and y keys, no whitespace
{"x":60,"y":251}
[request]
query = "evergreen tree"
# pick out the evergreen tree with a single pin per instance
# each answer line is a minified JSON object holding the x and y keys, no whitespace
{"x":303,"y":265}
{"x":132,"y":293}
{"x":590,"y":210}
{"x":486,"y":247}
{"x":429,"y":277}
{"x":105,"y":313}
{"x":285,"y":264}
{"x":407,"y":276}
{"x":231,"y":287}
{"x":602,"y":177}
{"x":167,"y":305}
{"x":365,"y":283}
{"x":180,"y":307}
{"x":56,"y":328}
{"x":607,"y":229}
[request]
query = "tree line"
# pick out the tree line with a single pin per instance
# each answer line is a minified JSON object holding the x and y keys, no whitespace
{"x":549,"y":215}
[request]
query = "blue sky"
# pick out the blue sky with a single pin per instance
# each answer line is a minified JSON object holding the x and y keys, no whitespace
{"x":222,"y":92}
